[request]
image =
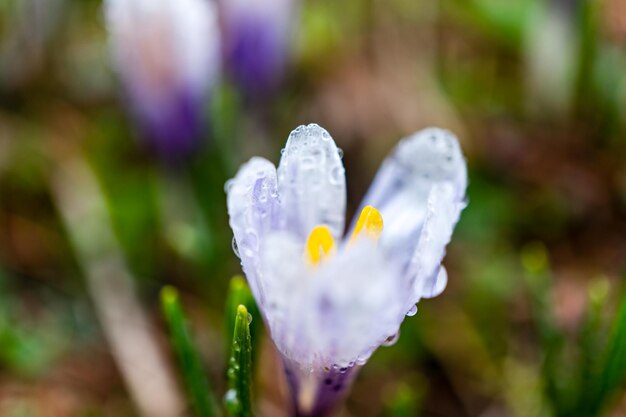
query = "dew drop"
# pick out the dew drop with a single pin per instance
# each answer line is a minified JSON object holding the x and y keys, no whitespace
{"x":249,"y":318}
{"x":435,"y":287}
{"x":391,"y":340}
{"x":307,"y":162}
{"x":412,"y":311}
{"x":336,"y":175}
{"x":235,"y":248}
{"x":362,"y":360}
{"x":231,"y":401}
{"x":340,"y":152}
{"x":229,"y":185}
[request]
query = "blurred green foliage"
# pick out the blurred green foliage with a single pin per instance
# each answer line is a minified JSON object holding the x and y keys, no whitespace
{"x":192,"y":371}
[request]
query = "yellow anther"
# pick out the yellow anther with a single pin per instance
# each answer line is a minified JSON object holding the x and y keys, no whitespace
{"x":319,"y":244}
{"x":370,"y":224}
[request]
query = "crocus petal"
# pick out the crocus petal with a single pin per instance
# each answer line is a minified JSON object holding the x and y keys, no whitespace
{"x":167,"y":54}
{"x":333,"y":314}
{"x":328,"y":319}
{"x":357,"y":301}
{"x":317,"y":393}
{"x":312,"y":182}
{"x":257,"y":37}
{"x":427,"y":275}
{"x":254,"y":211}
{"x":420,"y":191}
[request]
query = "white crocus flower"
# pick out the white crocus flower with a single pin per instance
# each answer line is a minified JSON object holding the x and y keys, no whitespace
{"x":328,"y":300}
{"x":167,"y":53}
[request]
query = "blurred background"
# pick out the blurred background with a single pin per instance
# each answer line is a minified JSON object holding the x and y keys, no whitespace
{"x":98,"y":210}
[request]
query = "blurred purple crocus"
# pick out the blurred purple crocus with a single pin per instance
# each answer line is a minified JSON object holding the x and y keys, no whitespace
{"x":167,"y":53}
{"x":257,"y":38}
{"x":329,"y":301}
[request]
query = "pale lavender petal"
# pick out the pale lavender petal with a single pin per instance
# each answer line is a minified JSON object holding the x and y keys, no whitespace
{"x":357,"y":303}
{"x":436,"y":283}
{"x":317,"y":393}
{"x":285,"y":282}
{"x":172,"y":129}
{"x":420,"y":191}
{"x":257,"y":39}
{"x":312,"y":182}
{"x":425,"y":266}
{"x":254,"y":211}
{"x":167,"y":56}
{"x":335,"y":314}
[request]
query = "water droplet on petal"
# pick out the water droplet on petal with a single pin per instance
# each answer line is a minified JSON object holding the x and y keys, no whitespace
{"x":412,"y":311}
{"x":235,"y":248}
{"x":340,"y":152}
{"x":436,"y":286}
{"x":307,"y":162}
{"x":362,"y":360}
{"x":337,"y":175}
{"x":229,"y":185}
{"x":391,"y":340}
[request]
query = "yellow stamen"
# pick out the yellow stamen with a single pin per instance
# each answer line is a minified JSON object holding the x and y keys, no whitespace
{"x":319,"y":244}
{"x":370,"y":224}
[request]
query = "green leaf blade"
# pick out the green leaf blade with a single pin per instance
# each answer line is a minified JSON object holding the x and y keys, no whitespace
{"x":612,"y":373}
{"x":196,"y":383}
{"x":237,"y":399}
{"x":239,"y":294}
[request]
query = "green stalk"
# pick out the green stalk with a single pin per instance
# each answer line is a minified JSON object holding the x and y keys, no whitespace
{"x":239,"y":293}
{"x":611,"y":375}
{"x":237,"y":399}
{"x":197,"y":385}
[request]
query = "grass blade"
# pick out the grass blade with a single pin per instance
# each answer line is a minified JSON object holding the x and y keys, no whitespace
{"x":612,"y":371}
{"x":237,"y":399}
{"x":197,"y":385}
{"x":239,"y":294}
